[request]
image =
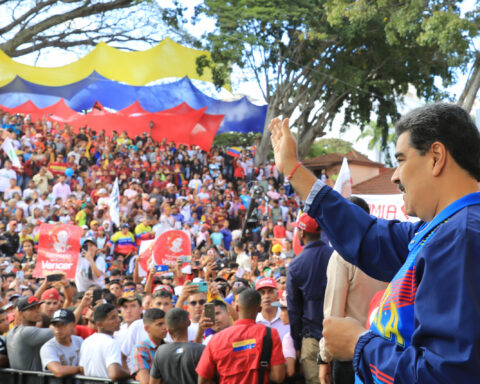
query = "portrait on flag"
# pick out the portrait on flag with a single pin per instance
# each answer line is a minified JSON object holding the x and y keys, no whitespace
{"x":58,"y":250}
{"x":170,"y":246}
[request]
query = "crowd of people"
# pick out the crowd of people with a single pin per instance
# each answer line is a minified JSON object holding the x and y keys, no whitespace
{"x":67,"y":177}
{"x":250,"y":304}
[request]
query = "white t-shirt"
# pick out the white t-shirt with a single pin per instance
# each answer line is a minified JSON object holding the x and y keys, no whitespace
{"x":53,"y":351}
{"x":97,"y":353}
{"x":81,"y":278}
{"x":5,"y":176}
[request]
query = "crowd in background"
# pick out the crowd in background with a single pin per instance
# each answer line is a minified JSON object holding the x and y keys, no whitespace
{"x":67,"y":177}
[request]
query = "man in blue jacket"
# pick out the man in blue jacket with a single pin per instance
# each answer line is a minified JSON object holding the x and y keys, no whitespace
{"x":427,"y":329}
{"x":306,"y":283}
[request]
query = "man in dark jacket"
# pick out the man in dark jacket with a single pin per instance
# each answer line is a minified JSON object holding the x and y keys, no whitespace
{"x":306,"y":283}
{"x":9,"y":240}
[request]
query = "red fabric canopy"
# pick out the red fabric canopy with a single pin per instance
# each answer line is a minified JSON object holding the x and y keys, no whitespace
{"x":181,"y":124}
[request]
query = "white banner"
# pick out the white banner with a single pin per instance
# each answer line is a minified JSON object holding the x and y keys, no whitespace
{"x":10,"y":151}
{"x":390,"y":207}
{"x":115,"y":203}
{"x":343,"y":185}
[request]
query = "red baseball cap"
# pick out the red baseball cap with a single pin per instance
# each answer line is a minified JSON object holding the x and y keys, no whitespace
{"x":266,"y":282}
{"x":51,"y":294}
{"x":307,"y":223}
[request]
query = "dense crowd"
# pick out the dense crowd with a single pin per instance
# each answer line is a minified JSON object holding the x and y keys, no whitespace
{"x":247,"y":306}
{"x":67,"y":177}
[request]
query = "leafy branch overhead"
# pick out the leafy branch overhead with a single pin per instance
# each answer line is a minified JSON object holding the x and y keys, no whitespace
{"x":318,"y":58}
{"x":30,"y":26}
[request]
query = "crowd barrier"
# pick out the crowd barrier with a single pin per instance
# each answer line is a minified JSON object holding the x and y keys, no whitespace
{"x":15,"y":376}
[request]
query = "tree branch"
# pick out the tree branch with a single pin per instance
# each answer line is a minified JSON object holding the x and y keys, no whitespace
{"x":26,"y":35}
{"x":31,"y":12}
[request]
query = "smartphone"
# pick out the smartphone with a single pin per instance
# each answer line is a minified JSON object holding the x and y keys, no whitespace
{"x":202,"y":286}
{"x":161,"y":268}
{"x":210,"y":311}
{"x":19,"y":276}
{"x":54,"y":277}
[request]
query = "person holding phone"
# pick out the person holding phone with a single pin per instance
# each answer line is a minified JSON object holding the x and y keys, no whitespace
{"x":91,"y":266}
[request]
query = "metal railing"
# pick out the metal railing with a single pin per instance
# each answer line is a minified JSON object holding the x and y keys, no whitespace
{"x":15,"y":376}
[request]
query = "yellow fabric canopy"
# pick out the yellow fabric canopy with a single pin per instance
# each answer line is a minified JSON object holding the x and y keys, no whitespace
{"x":167,"y":59}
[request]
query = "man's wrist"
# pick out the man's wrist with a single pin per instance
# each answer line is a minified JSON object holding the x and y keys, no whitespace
{"x":320,"y":361}
{"x":289,"y":165}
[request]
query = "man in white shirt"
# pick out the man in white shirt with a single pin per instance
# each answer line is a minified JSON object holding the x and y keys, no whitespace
{"x":60,"y":355}
{"x":6,"y":174}
{"x":270,"y":316}
{"x":61,"y":189}
{"x":162,"y":299}
{"x":91,"y":267}
{"x":100,"y":354}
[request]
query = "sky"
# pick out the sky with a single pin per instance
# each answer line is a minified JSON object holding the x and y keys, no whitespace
{"x":242,"y":81}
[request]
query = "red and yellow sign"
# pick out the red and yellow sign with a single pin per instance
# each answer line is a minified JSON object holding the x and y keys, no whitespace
{"x":58,"y":250}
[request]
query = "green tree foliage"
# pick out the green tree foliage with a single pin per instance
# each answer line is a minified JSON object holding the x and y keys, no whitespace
{"x":320,"y":57}
{"x":323,"y":146}
{"x":234,"y":139}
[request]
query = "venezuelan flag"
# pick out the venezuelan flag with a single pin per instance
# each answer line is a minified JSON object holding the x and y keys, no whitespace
{"x":234,"y":151}
{"x":244,"y":345}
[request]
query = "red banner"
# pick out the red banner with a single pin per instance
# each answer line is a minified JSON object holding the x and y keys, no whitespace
{"x":171,"y":245}
{"x":57,"y":168}
{"x":144,"y":255}
{"x":58,"y":250}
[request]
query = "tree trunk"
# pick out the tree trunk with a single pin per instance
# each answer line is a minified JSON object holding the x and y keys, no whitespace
{"x":306,"y":140}
{"x":265,"y":145}
{"x":471,"y":87}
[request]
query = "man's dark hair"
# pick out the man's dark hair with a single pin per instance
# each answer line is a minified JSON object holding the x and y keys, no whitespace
{"x":238,"y":290}
{"x":128,"y":284}
{"x":360,"y":202}
{"x":162,"y":293}
{"x":116,"y":272}
{"x":101,"y":312}
{"x":220,"y":303}
{"x":249,"y":301}
{"x":449,"y":124}
{"x":240,"y":244}
{"x":152,"y":314}
{"x":177,"y":320}
{"x":2,"y":311}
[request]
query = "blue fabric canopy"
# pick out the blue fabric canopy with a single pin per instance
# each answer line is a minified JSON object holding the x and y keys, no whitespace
{"x":240,"y":115}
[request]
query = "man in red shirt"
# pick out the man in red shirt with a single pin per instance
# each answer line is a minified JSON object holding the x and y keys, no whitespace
{"x":234,"y":353}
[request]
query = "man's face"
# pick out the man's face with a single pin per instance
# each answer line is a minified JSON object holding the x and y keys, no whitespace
{"x":50,"y":306}
{"x":62,"y":331}
{"x":33,"y":314}
{"x":116,"y":290}
{"x":111,"y":322}
{"x":412,"y":176}
{"x":222,"y":319}
{"x":196,"y":303}
{"x":269,"y":296}
{"x":163,"y":303}
{"x":131,"y":311}
{"x":157,"y":329}
{"x":4,"y":325}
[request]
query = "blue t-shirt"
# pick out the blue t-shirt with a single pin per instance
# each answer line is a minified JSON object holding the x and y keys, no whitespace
{"x":217,"y":238}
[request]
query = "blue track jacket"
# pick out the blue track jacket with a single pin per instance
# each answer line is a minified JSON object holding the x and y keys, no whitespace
{"x":427,"y":329}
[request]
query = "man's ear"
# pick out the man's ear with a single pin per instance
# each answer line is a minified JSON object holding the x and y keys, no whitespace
{"x":439,"y":158}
